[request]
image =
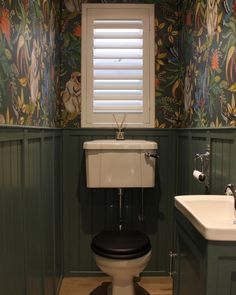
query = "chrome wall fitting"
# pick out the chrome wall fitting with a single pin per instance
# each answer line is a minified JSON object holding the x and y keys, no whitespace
{"x":204,"y":174}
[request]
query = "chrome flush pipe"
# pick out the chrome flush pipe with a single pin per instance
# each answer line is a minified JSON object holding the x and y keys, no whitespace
{"x":120,"y":195}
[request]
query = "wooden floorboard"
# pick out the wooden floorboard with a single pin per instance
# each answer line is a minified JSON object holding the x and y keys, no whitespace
{"x":99,"y":285}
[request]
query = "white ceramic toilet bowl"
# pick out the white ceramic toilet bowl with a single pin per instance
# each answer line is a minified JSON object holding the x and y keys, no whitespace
{"x":122,"y":272}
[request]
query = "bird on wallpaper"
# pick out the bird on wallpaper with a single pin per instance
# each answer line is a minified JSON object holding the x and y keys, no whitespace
{"x":188,"y":87}
{"x":211,"y":16}
{"x":22,"y":54}
{"x":72,"y":94}
{"x":225,"y":113}
{"x":34,"y":73}
{"x":74,"y":6}
{"x":52,"y":28}
{"x":229,"y":7}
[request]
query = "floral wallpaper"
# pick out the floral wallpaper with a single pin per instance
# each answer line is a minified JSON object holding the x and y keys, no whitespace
{"x":195,"y":62}
{"x":208,"y":57}
{"x":169,"y":103}
{"x":28,"y":59}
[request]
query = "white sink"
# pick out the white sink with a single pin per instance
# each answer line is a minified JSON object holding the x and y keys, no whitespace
{"x":212,"y":215}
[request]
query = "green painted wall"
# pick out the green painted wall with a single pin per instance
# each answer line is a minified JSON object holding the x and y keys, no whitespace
{"x":88,"y":211}
{"x":31,"y":207}
{"x":31,"y":211}
{"x":222,"y":143}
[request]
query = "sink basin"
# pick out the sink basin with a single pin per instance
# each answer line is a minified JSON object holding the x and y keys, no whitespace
{"x":212,"y":215}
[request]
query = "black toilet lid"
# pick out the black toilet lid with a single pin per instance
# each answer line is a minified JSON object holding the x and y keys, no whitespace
{"x":121,"y":244}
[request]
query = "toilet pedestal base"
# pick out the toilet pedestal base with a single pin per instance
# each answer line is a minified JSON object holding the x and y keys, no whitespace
{"x":122,"y":286}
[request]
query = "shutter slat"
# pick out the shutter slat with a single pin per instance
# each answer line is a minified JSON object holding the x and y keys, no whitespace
{"x":118,"y":95}
{"x":117,"y":43}
{"x":117,"y":106}
{"x":118,"y":63}
{"x":118,"y":84}
{"x":117,"y":33}
{"x":118,"y":74}
{"x":118,"y":53}
{"x":113,"y":24}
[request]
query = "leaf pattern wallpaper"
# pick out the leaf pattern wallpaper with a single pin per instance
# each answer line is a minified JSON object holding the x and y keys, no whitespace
{"x":169,"y":103}
{"x":28,"y":62}
{"x":208,"y":57}
{"x":195,"y":62}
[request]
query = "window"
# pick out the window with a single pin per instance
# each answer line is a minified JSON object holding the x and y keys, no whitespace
{"x":118,"y":65}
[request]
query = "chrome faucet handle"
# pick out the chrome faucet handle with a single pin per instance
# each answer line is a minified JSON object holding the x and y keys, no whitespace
{"x":230,"y":191}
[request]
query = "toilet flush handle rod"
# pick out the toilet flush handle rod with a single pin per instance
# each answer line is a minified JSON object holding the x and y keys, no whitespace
{"x":120,"y":195}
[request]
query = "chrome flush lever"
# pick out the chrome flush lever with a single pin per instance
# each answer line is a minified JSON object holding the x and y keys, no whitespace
{"x":149,"y":155}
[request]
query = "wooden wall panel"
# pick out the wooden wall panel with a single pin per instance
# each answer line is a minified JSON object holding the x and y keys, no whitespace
{"x":28,"y":187}
{"x":32,"y":184}
{"x":222,"y":144}
{"x":11,"y":219}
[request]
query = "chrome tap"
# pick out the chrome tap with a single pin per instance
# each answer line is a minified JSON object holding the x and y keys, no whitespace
{"x":230,"y":191}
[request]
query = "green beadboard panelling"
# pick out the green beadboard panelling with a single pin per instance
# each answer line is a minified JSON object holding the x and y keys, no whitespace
{"x":32,"y":220}
{"x":34,"y":183}
{"x":11,"y":219}
{"x":48,"y":218}
{"x":30,"y":205}
{"x":58,"y":207}
{"x":222,"y":143}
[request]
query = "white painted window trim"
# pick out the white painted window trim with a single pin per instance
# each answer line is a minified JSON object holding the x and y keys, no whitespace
{"x":90,"y":12}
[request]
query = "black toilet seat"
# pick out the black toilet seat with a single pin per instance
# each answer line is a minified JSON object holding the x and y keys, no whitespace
{"x":121,"y":244}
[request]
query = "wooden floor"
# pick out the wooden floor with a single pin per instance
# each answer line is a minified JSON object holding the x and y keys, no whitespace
{"x":99,"y":285}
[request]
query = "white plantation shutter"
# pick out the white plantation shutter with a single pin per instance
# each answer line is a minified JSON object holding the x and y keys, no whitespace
{"x":117,"y":77}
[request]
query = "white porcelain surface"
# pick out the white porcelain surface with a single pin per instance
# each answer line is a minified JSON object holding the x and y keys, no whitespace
{"x":212,"y":215}
{"x":120,"y":163}
{"x":122,"y":272}
{"x":113,"y":144}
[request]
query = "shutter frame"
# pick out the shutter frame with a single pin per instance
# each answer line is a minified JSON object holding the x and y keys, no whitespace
{"x":140,"y":92}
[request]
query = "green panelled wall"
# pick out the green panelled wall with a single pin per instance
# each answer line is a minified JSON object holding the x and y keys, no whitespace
{"x":222,"y":143}
{"x":30,"y":205}
{"x":88,"y":211}
{"x":43,"y":188}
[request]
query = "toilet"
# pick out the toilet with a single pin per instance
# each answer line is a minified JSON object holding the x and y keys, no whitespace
{"x":122,"y":255}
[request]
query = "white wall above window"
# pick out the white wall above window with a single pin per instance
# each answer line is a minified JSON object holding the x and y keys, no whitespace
{"x":118,"y":74}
